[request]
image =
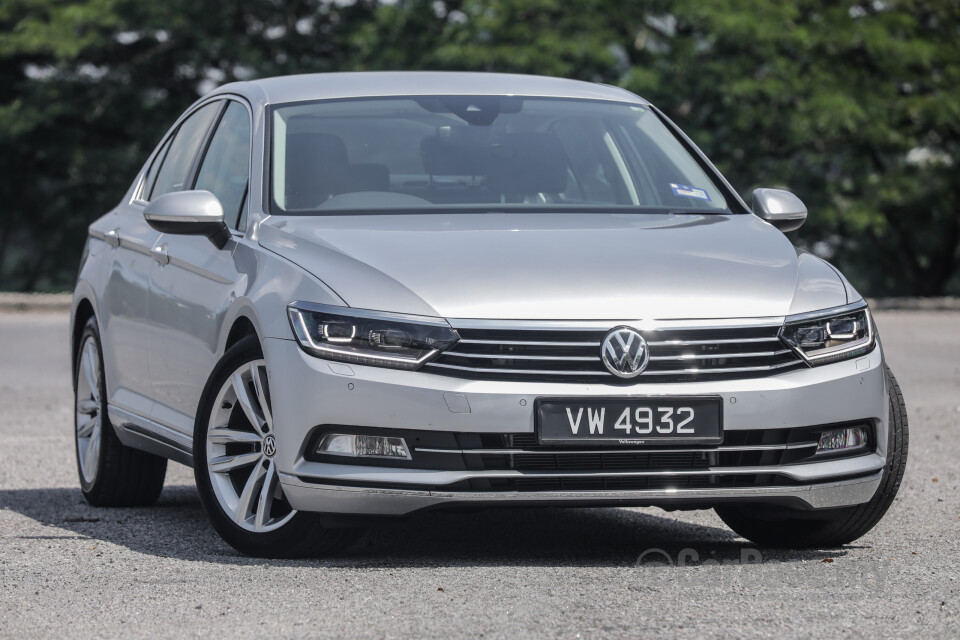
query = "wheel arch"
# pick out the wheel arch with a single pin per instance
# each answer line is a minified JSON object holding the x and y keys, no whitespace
{"x":240,"y":322}
{"x":83,"y":310}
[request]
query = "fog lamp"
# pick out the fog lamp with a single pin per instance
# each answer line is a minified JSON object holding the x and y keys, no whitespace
{"x":849,"y":439}
{"x":363,"y":446}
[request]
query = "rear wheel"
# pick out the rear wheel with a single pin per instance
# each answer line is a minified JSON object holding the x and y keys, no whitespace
{"x":237,"y":477}
{"x":844,"y":525}
{"x":111,"y":475}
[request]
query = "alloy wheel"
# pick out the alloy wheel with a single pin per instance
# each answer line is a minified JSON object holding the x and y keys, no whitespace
{"x":240,"y":447}
{"x":89,"y":418}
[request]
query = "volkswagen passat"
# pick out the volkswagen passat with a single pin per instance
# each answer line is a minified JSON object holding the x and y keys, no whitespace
{"x":354,"y":295}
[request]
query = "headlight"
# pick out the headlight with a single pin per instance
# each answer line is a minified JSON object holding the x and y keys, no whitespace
{"x":374,"y":338}
{"x":831,"y":335}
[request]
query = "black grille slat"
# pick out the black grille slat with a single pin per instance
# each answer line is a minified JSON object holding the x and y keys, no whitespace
{"x":612,"y":461}
{"x":727,"y":333}
{"x":520,"y":365}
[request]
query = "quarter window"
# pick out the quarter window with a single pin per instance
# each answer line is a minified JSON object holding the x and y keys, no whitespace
{"x":175,"y":171}
{"x":227,"y":162}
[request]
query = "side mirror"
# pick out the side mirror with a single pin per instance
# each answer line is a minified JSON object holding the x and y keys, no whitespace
{"x":189,"y":213}
{"x":780,"y":208}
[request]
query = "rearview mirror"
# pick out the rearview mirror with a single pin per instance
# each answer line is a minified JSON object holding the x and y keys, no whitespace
{"x":780,"y":208}
{"x":189,"y":213}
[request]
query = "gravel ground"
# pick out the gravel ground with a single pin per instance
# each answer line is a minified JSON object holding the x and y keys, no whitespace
{"x":70,"y":569}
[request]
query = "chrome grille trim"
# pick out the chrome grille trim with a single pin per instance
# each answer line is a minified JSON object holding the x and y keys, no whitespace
{"x":570,"y":351}
{"x":770,"y":367}
{"x":606,"y":325}
{"x":690,"y":343}
{"x":552,"y":372}
{"x":545,"y":372}
{"x":525,"y":343}
{"x":651,"y":449}
{"x":715,"y":356}
{"x":510,"y":356}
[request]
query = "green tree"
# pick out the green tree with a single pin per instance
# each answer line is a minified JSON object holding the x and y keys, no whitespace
{"x":88,"y":88}
{"x":854,"y":105}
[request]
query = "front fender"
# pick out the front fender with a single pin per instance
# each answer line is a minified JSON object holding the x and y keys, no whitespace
{"x":819,"y":285}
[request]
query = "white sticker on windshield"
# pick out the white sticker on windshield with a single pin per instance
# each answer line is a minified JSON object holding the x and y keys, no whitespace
{"x":689,"y":192}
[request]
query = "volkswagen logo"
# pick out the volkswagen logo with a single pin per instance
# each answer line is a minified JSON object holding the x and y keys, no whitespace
{"x":624,"y":352}
{"x":269,"y":446}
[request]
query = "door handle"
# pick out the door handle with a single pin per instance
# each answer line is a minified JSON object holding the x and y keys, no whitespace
{"x":160,"y":254}
{"x":112,"y":237}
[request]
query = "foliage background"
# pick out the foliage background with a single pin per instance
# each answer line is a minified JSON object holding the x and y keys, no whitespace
{"x":853,"y":105}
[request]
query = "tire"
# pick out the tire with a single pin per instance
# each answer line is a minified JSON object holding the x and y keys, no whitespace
{"x":242,"y":496}
{"x":846,"y":524}
{"x":111,"y":474}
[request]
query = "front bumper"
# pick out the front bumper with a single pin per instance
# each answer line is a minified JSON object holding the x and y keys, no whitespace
{"x":395,"y":502}
{"x":307,"y":392}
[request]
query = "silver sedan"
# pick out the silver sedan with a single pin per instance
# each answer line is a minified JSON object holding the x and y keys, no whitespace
{"x":347,"y":296}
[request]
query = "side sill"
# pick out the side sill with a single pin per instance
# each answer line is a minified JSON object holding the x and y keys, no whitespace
{"x":145,"y":434}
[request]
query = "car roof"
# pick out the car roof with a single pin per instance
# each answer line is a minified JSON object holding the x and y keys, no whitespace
{"x":316,"y":86}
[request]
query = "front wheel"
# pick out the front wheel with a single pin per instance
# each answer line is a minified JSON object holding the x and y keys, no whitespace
{"x":844,"y":525}
{"x":233,"y":453}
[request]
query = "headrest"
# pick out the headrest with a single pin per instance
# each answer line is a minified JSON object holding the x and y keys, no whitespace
{"x":316,"y":149}
{"x":316,"y":164}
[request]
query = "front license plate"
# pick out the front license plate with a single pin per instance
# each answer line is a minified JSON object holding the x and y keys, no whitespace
{"x":630,"y":421}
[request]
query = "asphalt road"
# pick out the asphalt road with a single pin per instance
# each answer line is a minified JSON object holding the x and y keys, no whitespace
{"x":67,"y":569}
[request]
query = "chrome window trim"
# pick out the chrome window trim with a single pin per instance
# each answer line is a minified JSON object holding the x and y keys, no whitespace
{"x":138,"y":191}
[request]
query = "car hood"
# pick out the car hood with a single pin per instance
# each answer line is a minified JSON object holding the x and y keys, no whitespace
{"x":558,"y":266}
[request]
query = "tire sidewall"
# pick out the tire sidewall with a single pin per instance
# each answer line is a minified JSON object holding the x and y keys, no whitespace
{"x":91,"y":330}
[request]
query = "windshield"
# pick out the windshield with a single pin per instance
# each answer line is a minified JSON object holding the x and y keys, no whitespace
{"x":481,"y":153}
